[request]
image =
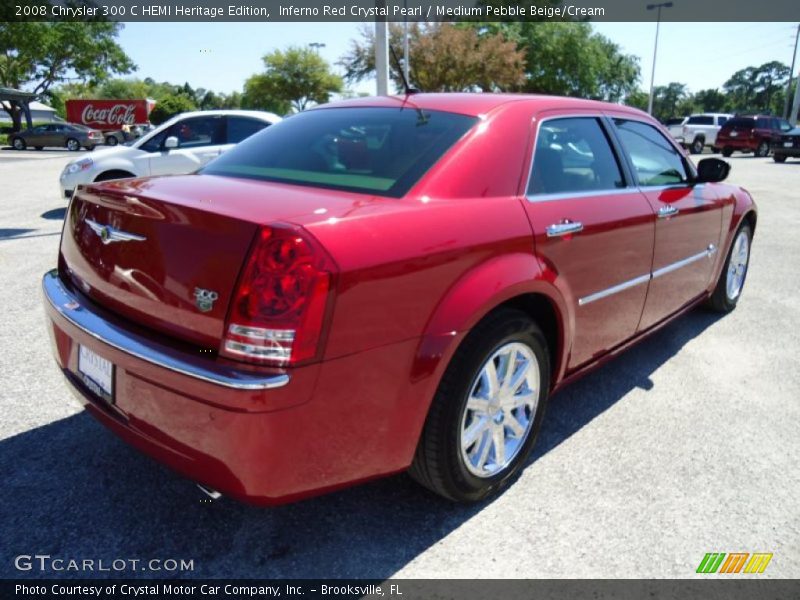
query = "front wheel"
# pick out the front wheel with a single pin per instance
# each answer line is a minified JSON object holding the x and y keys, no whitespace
{"x":779,"y":158}
{"x":111,"y":140}
{"x":73,"y":145}
{"x":731,"y":279}
{"x":762,"y":150}
{"x":487,"y":411}
{"x":697,"y":146}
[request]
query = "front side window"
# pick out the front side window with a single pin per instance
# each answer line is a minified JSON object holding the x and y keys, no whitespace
{"x":762,"y":123}
{"x":573,"y":155}
{"x":655,"y":160}
{"x":382,"y":151}
{"x":191,"y":133}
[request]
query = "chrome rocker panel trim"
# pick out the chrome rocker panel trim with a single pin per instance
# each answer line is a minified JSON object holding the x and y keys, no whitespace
{"x":69,"y":306}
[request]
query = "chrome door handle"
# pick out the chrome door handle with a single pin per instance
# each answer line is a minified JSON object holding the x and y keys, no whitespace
{"x":564,"y":228}
{"x":667,"y":211}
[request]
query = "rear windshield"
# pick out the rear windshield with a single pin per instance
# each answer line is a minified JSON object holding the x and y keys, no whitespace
{"x":741,"y":123}
{"x":381,"y":151}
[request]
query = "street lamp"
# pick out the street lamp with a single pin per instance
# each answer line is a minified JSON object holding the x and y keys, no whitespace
{"x":316,"y":46}
{"x":655,"y":50}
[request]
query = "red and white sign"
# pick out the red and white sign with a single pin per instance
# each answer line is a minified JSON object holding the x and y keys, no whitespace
{"x":108,"y":114}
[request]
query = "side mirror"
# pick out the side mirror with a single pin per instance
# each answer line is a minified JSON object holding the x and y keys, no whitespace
{"x":712,"y":170}
{"x":172,"y":142}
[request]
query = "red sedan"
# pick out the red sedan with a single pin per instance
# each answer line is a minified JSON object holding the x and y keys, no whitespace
{"x":385,"y":284}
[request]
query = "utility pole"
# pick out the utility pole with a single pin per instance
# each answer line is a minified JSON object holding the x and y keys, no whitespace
{"x":655,"y":50}
{"x":795,"y":104}
{"x":381,"y":51}
{"x":789,"y":83}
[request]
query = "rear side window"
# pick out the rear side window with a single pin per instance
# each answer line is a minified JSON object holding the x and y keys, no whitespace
{"x":655,"y":160}
{"x":701,"y":120}
{"x":741,"y":123}
{"x":240,"y":128}
{"x":721,"y":121}
{"x":195,"y":132}
{"x":573,"y":155}
{"x":382,"y":151}
{"x":763,"y":123}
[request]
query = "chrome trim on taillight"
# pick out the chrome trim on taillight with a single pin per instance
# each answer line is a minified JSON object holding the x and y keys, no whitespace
{"x":81,"y":315}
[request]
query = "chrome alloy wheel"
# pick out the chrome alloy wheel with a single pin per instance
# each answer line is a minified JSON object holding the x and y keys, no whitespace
{"x":498,"y":416}
{"x":737,"y":265}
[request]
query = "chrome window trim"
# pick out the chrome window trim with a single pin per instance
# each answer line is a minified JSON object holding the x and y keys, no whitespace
{"x":577,"y":195}
{"x":78,"y":314}
{"x":629,"y":185}
{"x":621,"y":287}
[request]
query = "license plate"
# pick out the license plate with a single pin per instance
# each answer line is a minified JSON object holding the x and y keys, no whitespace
{"x":97,"y":373}
{"x":787,"y":144}
{"x":734,"y":134}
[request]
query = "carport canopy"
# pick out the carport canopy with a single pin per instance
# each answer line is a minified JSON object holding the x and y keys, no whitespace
{"x":21,"y":99}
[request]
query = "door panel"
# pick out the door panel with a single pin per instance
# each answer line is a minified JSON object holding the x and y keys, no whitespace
{"x":686,"y":246}
{"x":593,"y":230}
{"x":688,"y":223}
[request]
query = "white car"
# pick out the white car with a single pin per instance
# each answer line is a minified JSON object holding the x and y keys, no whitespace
{"x":181,"y":145}
{"x":701,"y":130}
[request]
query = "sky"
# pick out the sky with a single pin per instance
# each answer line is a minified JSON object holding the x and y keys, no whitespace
{"x":221,"y":56}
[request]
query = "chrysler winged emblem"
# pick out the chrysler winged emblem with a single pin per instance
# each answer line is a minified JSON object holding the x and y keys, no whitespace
{"x":204,"y":299}
{"x":109,"y":234}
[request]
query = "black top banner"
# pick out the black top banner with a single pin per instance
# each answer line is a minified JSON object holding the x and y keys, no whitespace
{"x":400,"y":10}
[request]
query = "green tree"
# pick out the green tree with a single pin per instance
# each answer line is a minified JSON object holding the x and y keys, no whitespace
{"x":170,"y":106}
{"x":443,"y":58}
{"x":637,"y":99}
{"x":570,"y":59}
{"x":757,"y":88}
{"x":39,"y":55}
{"x":710,"y":100}
{"x":292,"y":78}
{"x":667,"y":100}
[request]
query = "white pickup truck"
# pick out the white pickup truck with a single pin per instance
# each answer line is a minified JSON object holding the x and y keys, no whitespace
{"x":699,"y":131}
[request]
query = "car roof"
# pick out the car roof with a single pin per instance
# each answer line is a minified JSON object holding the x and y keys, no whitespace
{"x":476,"y":104}
{"x":257,"y":114}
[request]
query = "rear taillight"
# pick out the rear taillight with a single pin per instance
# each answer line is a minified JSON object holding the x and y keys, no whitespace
{"x":278,"y":310}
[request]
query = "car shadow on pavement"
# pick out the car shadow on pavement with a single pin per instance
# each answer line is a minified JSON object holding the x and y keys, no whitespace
{"x":56,"y":214}
{"x":73,"y":490}
{"x":13,"y":232}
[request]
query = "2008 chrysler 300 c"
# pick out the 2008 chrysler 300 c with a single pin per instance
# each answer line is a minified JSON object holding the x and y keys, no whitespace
{"x":385,"y":284}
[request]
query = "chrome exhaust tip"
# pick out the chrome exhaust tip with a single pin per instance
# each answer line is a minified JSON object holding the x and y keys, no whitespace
{"x":211,"y":493}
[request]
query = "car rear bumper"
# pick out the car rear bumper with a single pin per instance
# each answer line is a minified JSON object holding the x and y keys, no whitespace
{"x":258,"y":437}
{"x":737,"y":144}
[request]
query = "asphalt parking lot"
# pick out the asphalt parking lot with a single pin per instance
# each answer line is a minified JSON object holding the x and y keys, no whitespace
{"x":685,"y":445}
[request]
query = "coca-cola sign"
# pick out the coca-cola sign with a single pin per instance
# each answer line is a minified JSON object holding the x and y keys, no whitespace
{"x":108,"y":114}
{"x":119,"y":114}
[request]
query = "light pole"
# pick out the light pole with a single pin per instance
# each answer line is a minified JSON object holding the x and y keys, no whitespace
{"x":786,"y":114}
{"x":655,"y":50}
{"x":316,"y":46}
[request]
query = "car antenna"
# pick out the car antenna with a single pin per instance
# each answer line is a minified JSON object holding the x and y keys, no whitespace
{"x":407,"y":88}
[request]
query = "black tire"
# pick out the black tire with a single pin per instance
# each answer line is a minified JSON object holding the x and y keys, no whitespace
{"x":762,"y":150}
{"x":109,"y":175}
{"x":779,"y":158}
{"x":112,"y":140}
{"x":697,"y":145}
{"x":73,"y":145}
{"x":438,"y":463}
{"x":719,"y":300}
{"x":89,"y":148}
{"x":18,"y":143}
{"x":726,"y":152}
{"x":39,"y":147}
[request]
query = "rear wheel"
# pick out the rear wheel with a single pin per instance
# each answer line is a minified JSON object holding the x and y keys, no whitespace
{"x":39,"y":147}
{"x":73,"y":145}
{"x":487,"y":411}
{"x":731,"y":279}
{"x":779,"y":158}
{"x":18,"y":144}
{"x":762,"y":149}
{"x":726,"y":152}
{"x":111,"y":141}
{"x":697,"y":146}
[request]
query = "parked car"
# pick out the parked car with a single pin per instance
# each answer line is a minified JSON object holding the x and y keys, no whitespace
{"x":701,"y":130}
{"x":62,"y":135}
{"x":789,"y":145}
{"x":383,"y":284}
{"x":754,"y":133}
{"x":675,"y":127}
{"x":181,"y":145}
